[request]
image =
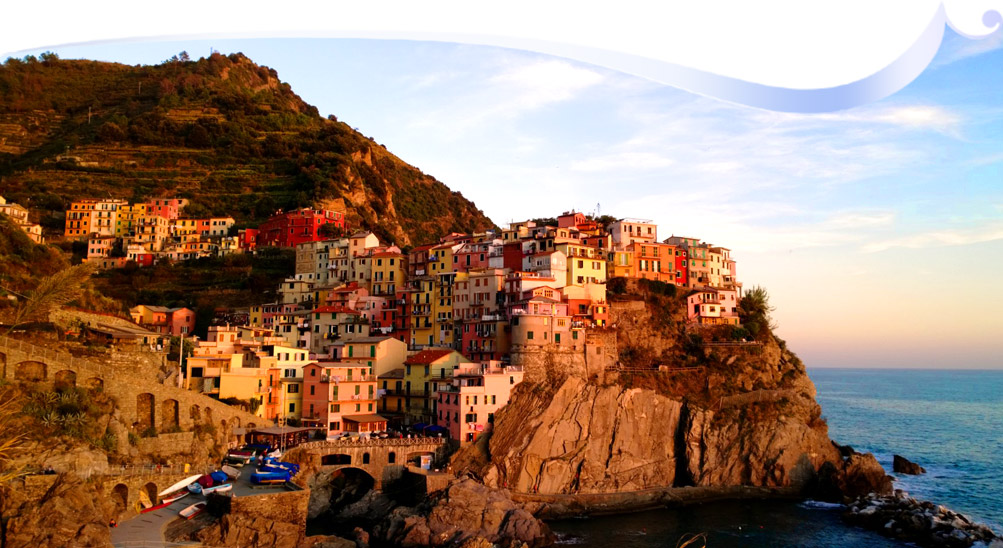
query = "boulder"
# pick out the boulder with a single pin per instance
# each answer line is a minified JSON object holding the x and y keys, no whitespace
{"x":68,"y":514}
{"x":246,"y":532}
{"x":464,"y":511}
{"x":902,"y":465}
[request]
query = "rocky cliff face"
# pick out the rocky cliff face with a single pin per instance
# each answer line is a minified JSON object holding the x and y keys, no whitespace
{"x":728,"y":416}
{"x":70,"y":513}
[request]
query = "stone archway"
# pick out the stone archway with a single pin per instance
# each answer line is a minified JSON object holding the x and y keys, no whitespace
{"x":120,"y":496}
{"x":3,"y":365}
{"x":365,"y":458}
{"x":148,"y":495}
{"x":169,"y":416}
{"x":30,"y":371}
{"x":145,"y":411}
{"x":195,"y":414}
{"x":208,"y":415}
{"x":65,"y":379}
{"x":94,"y":383}
{"x":336,"y":459}
{"x":391,"y":457}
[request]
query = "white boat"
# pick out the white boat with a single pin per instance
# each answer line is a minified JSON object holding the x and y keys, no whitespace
{"x":170,"y":498}
{"x":191,"y":511}
{"x":179,"y":485}
{"x":221,"y":488}
{"x":231,"y":472}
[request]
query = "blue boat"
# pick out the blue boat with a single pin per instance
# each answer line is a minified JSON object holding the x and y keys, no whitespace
{"x":264,"y":478}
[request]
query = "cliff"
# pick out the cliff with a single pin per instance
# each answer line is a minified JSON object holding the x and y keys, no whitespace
{"x":715,"y":414}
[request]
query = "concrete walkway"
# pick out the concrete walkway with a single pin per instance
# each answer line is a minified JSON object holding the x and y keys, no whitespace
{"x":147,"y":530}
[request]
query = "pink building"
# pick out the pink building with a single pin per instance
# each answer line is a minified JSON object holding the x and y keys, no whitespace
{"x":341,"y":396}
{"x":168,"y":208}
{"x":713,"y":306}
{"x":467,"y":407}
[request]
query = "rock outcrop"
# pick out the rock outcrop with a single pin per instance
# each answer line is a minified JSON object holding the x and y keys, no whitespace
{"x":902,"y":465}
{"x":717,"y":416}
{"x":465,"y":513}
{"x":68,"y":514}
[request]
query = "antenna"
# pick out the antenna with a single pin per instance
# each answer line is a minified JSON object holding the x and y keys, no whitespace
{"x":598,"y":210}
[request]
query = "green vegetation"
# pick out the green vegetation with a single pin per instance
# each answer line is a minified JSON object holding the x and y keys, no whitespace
{"x":221,"y":131}
{"x":202,"y":285}
{"x":754,"y":313}
{"x":68,"y":411}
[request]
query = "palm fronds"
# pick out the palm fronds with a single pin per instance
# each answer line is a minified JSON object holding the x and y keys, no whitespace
{"x":50,"y":293}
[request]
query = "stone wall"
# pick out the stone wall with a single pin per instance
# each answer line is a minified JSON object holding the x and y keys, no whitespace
{"x":554,"y":364}
{"x":287,"y":507}
{"x":166,"y":443}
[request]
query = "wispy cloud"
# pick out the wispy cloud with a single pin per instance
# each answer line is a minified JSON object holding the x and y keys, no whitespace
{"x":622,"y":161}
{"x":544,"y":82}
{"x":956,"y":47}
{"x":939,"y":238}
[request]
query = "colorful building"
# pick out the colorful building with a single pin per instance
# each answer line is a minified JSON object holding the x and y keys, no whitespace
{"x":289,"y":229}
{"x":467,"y":406}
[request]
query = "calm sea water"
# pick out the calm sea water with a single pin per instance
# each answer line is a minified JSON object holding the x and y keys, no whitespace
{"x":951,"y":422}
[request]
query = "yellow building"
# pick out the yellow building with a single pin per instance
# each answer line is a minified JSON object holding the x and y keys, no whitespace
{"x":380,"y":354}
{"x":585,"y":264}
{"x":443,"y":326}
{"x":388,"y":271}
{"x":421,"y":373}
{"x":128,"y":216}
{"x":422,"y":330}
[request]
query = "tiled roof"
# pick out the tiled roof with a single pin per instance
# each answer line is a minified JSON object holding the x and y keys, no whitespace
{"x":336,"y":309}
{"x":427,"y":356}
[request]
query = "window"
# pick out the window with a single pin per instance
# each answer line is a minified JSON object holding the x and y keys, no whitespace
{"x":293,"y":388}
{"x":292,"y":407}
{"x":471,"y":417}
{"x":529,"y":335}
{"x":313,"y":372}
{"x":311,"y":391}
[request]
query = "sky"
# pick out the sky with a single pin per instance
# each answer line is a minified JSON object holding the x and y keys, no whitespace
{"x":877,"y":230}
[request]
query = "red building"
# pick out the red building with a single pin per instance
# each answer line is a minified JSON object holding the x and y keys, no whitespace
{"x":682,"y":270}
{"x":168,"y":208}
{"x":247,"y":239}
{"x":292,"y":228}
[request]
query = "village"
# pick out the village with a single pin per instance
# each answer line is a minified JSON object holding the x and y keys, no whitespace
{"x":368,"y":339}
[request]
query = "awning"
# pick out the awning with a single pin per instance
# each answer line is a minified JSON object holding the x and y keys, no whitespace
{"x":363,"y":418}
{"x":279,"y":430}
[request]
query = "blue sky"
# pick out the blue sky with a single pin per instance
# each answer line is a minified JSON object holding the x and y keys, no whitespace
{"x":878,"y":230}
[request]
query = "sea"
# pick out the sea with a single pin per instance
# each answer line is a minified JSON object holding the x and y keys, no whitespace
{"x":948,"y":421}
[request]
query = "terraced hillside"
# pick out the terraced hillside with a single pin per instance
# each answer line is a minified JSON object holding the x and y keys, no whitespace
{"x":222,"y":131}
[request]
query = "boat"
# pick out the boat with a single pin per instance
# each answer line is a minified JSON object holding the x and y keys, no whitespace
{"x":218,"y":476}
{"x":201,"y":483}
{"x":191,"y":511}
{"x":221,"y":488}
{"x":155,"y":507}
{"x":231,"y":472}
{"x":270,"y":477}
{"x":170,"y":498}
{"x":179,"y":485}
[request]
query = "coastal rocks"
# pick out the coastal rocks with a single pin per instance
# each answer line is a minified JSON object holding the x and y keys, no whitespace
{"x":924,"y":523}
{"x":67,"y":515}
{"x":902,"y":465}
{"x":239,"y":531}
{"x":591,"y":439}
{"x":465,"y":510}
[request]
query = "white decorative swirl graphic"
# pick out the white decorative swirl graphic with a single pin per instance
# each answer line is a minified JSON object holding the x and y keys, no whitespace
{"x":785,"y":55}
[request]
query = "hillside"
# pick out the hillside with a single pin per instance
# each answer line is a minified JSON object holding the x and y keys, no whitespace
{"x":222,"y":131}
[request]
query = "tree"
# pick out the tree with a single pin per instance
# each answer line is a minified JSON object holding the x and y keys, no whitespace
{"x":183,"y":57}
{"x":754,"y":312}
{"x":51,"y":293}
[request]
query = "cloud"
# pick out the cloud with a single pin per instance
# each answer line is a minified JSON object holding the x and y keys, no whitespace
{"x":534,"y":85}
{"x":956,"y":47}
{"x":621,"y":161}
{"x":940,"y":238}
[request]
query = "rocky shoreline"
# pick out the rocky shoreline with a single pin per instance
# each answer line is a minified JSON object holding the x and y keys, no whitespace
{"x":924,"y":523}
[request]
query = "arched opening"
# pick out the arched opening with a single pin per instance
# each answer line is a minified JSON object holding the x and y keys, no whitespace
{"x":195,"y":414}
{"x":120,"y":496}
{"x":144,"y":412}
{"x":421,"y":458}
{"x":169,"y":419}
{"x":30,"y":371}
{"x":148,"y":495}
{"x":94,"y":383}
{"x":3,"y":365}
{"x":392,"y":457}
{"x":365,"y":458}
{"x":65,"y":379}
{"x":235,"y":422}
{"x":335,"y":460}
{"x":251,"y":425}
{"x":335,"y":492}
{"x":208,"y":415}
